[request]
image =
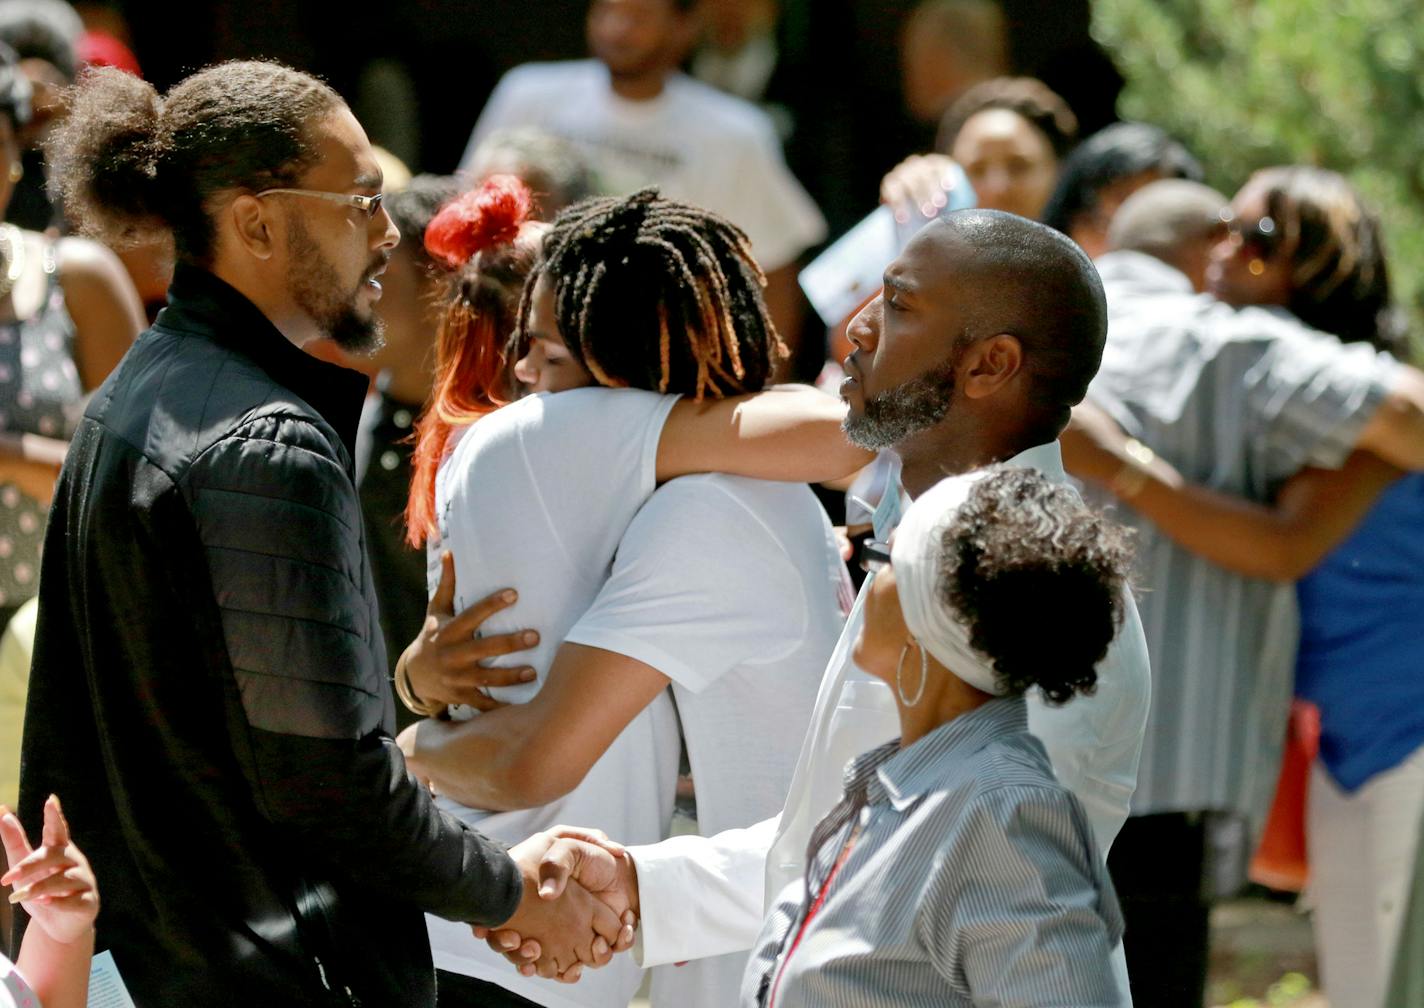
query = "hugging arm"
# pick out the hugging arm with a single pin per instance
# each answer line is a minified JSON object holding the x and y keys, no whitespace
{"x":1315,"y":510}
{"x":1396,"y":430}
{"x":525,"y":755}
{"x":790,"y":433}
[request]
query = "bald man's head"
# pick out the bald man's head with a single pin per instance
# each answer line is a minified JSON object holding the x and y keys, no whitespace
{"x":1031,"y":282}
{"x":969,"y":277}
{"x":1174,"y":220}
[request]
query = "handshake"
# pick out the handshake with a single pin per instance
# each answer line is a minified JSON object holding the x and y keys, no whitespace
{"x":580,"y":905}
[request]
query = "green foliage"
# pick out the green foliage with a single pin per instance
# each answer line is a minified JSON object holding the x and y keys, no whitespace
{"x":1251,"y":83}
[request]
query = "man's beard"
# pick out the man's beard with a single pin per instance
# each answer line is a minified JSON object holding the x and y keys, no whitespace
{"x":316,"y":290}
{"x":907,"y":409}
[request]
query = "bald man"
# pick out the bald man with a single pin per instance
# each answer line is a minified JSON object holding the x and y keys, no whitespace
{"x":988,"y":331}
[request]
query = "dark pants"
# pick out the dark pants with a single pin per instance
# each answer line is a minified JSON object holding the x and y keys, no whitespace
{"x":1159,"y":866}
{"x":455,"y":990}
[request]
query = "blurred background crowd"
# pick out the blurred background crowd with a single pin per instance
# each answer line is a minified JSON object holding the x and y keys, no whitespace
{"x":1060,"y":110}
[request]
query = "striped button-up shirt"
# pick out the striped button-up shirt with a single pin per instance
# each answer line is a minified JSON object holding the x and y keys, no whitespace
{"x":1237,"y":400}
{"x":973,"y":879}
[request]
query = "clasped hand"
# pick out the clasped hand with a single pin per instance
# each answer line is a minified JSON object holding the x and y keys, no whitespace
{"x":580,"y":905}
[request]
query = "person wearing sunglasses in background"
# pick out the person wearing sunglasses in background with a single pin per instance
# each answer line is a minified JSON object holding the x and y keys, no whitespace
{"x":1282,"y":372}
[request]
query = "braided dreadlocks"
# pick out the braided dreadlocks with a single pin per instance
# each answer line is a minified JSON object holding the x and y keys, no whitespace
{"x":657,"y":295}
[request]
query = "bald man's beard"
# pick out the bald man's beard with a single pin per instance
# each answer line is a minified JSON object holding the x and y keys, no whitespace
{"x":894,"y":415}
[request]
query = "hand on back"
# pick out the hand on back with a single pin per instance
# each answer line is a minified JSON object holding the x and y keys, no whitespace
{"x":445,"y":664}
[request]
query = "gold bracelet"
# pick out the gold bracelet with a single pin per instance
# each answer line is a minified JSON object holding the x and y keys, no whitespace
{"x":406,"y":692}
{"x":1136,"y":470}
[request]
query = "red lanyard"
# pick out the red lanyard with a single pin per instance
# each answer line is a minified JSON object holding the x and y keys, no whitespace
{"x":813,"y":909}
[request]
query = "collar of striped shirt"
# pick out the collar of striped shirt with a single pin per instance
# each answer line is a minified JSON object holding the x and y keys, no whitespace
{"x":889,"y":774}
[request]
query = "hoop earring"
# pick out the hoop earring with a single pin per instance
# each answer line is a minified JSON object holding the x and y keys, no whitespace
{"x":1256,"y":266}
{"x":899,"y":674}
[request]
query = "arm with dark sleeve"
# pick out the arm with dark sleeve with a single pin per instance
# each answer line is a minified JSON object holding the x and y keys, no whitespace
{"x":1020,"y":910}
{"x":280,"y":526}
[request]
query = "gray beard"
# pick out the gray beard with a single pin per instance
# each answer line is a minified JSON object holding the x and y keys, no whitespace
{"x":894,"y":415}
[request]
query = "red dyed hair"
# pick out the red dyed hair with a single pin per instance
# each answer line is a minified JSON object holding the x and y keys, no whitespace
{"x":481,"y":234}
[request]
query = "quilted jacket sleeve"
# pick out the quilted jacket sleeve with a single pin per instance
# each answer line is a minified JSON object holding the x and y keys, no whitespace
{"x":280,"y":525}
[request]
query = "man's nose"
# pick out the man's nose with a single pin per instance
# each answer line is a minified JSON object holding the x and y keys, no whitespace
{"x":390,"y":234}
{"x":864,"y":329}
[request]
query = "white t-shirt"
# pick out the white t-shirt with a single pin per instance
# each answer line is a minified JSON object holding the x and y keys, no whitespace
{"x":733,"y":588}
{"x":536,"y":496}
{"x":695,"y":143}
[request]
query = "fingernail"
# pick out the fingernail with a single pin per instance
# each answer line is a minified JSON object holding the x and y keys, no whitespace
{"x":901,"y":217}
{"x":509,"y":595}
{"x":600,"y":946}
{"x":507,"y":942}
{"x":527,"y":675}
{"x":19,"y":895}
{"x":546,"y":890}
{"x":630,"y":918}
{"x":530,"y":637}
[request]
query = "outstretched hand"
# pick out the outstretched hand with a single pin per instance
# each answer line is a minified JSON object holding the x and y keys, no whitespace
{"x":53,"y":881}
{"x":445,"y":663}
{"x":919,"y":186}
{"x":570,"y":864}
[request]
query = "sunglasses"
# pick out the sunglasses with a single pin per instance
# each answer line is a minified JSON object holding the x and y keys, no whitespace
{"x":1259,"y":238}
{"x":368,"y":205}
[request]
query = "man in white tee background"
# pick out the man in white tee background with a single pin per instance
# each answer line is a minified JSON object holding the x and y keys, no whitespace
{"x":640,"y":122}
{"x":989,"y":329}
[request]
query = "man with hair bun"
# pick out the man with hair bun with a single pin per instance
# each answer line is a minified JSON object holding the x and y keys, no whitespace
{"x":208,"y":643}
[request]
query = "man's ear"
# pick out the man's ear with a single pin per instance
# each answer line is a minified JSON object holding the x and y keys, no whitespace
{"x":253,"y":226}
{"x":990,"y":364}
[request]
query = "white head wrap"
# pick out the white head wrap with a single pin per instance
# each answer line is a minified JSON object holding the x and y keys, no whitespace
{"x":917,"y":560}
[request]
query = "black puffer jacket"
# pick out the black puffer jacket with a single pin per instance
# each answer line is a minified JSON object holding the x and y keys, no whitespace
{"x":209,"y":695}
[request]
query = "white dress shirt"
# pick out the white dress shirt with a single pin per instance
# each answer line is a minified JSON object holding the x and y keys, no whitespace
{"x":705,"y":896}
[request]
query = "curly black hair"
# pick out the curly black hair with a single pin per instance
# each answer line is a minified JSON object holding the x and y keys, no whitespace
{"x":1024,"y":550}
{"x":655,"y":294}
{"x":131,"y":165}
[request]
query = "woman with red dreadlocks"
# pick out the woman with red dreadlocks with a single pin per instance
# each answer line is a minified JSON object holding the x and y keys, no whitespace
{"x":643,"y":337}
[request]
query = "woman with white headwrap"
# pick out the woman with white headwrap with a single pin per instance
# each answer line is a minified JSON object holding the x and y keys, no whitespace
{"x":956,"y":870}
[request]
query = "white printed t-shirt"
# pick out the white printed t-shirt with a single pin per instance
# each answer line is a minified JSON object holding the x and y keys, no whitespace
{"x":733,"y":588}
{"x":536,"y":496}
{"x":693,"y":142}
